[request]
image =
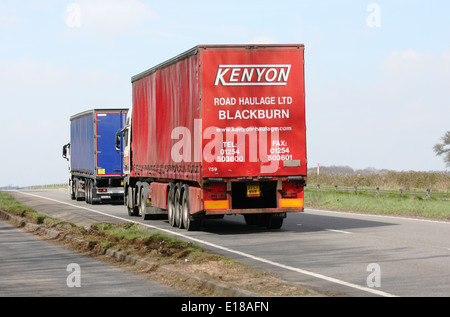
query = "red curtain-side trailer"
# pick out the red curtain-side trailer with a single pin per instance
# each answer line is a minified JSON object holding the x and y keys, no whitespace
{"x":218,"y":130}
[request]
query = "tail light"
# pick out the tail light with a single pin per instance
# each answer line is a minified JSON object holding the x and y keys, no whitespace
{"x":219,"y":196}
{"x":289,"y":194}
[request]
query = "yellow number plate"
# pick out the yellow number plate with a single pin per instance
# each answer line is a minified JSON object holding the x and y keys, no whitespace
{"x":253,"y":191}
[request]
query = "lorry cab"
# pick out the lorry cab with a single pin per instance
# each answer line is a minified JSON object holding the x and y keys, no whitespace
{"x":66,"y":155}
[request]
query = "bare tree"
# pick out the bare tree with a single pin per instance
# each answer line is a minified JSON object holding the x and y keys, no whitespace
{"x":444,"y":148}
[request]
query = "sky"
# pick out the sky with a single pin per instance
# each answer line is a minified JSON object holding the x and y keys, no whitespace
{"x":377,"y":73}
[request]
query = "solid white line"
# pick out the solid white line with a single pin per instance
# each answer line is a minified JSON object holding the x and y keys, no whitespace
{"x":375,"y":215}
{"x":290,"y":268}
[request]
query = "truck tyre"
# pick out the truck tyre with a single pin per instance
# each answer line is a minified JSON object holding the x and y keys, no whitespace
{"x":190,"y":223}
{"x":125,"y":196}
{"x":132,"y":211}
{"x":275,"y":222}
{"x":251,"y":219}
{"x":142,"y":205}
{"x":170,"y":206}
{"x":88,"y":192}
{"x":270,"y":221}
{"x":263,"y":220}
{"x":77,"y":192}
{"x":177,"y":208}
{"x":91,"y":193}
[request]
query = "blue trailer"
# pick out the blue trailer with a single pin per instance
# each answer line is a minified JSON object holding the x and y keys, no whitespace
{"x":95,"y":166}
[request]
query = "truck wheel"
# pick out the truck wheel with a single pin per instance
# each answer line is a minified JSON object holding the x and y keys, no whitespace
{"x":132,"y":211}
{"x":125,"y":196}
{"x":170,"y":206}
{"x":142,"y":204}
{"x":270,"y":221}
{"x":177,"y":208}
{"x":190,"y":224}
{"x":77,"y":192}
{"x":263,"y":220}
{"x":87,"y":191}
{"x":275,"y":222}
{"x":91,"y":197}
{"x":251,"y":219}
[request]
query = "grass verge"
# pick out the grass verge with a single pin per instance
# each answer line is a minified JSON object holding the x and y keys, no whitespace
{"x":16,"y":208}
{"x":119,"y":236}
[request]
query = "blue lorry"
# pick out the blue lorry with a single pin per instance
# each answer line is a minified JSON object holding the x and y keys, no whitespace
{"x":95,"y":166}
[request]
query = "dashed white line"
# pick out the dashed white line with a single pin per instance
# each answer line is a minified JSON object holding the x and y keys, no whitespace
{"x":333,"y":230}
{"x":280,"y":265}
{"x":340,"y":231}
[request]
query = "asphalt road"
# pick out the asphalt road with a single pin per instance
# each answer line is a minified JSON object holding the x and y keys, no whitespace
{"x":31,"y":267}
{"x":344,"y":253}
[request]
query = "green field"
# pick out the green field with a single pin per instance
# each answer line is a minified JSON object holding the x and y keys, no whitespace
{"x":408,"y":181}
{"x":403,"y":205}
{"x":392,"y":204}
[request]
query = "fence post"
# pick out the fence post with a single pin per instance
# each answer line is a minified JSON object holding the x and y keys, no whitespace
{"x":428,"y":193}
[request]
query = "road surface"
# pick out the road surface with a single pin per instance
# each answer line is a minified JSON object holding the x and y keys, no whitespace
{"x":344,"y":253}
{"x":31,"y":267}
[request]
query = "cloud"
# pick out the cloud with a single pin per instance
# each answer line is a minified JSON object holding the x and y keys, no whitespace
{"x":41,"y":84}
{"x":107,"y":17}
{"x":38,"y":98}
{"x":410,"y":68}
{"x":390,"y":118}
{"x":263,"y":39}
{"x":418,"y":85}
{"x":7,"y":15}
{"x":28,"y":73}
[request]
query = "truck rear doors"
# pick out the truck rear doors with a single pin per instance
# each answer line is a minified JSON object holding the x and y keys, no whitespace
{"x":109,"y":162}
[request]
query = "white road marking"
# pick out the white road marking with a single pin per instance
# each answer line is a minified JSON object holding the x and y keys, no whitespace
{"x":333,"y":230}
{"x":340,"y":231}
{"x":374,"y":215}
{"x":280,"y":265}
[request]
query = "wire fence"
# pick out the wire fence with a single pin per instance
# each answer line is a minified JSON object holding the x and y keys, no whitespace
{"x":428,"y":193}
{"x":48,"y":186}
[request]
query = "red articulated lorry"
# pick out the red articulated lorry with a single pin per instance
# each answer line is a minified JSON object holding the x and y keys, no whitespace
{"x":218,"y":130}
